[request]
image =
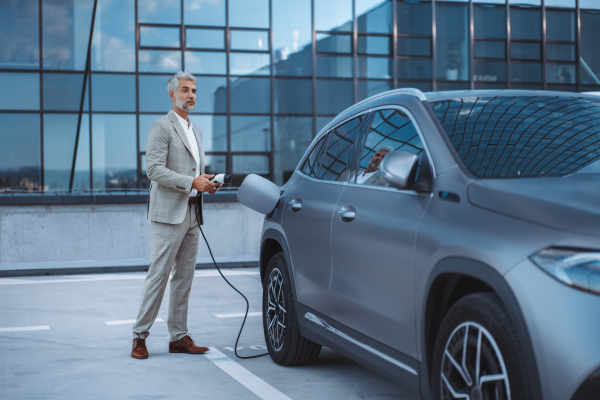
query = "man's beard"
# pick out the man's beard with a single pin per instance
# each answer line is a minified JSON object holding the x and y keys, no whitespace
{"x":374,"y":165}
{"x":182,"y":105}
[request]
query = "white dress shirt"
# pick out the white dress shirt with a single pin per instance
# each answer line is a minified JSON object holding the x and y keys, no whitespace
{"x":363,"y":177}
{"x":189,"y":132}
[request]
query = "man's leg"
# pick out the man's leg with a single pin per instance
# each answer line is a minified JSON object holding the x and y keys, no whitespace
{"x":183,"y":275}
{"x":165,"y":243}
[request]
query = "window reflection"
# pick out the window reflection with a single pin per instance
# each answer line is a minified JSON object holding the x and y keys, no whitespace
{"x":249,"y":40}
{"x":204,"y":12}
{"x":293,"y":135}
{"x":113,"y":44}
{"x":205,"y":38}
{"x":249,"y":64}
{"x":250,"y":133}
{"x":452,"y":41}
{"x":561,"y":73}
{"x":113,"y":92}
{"x":292,"y":38}
{"x":153,"y":95}
{"x":146,"y":121}
{"x":19,"y":34}
{"x":250,"y":96}
{"x":335,"y":66}
{"x":334,"y":43}
{"x":214,"y":131}
{"x":375,"y":67}
{"x":333,"y":15}
{"x":371,"y":88}
{"x":293,"y":96}
{"x":206,"y":62}
{"x":62,"y":91}
{"x":374,"y":16}
{"x":24,"y":89}
{"x":151,"y":36}
{"x":590,"y":56}
{"x":159,"y":60}
{"x":249,"y":13}
{"x":244,"y":165}
{"x":20,"y":164}
{"x":159,"y":11}
{"x":211,"y":95}
{"x":334,"y":96}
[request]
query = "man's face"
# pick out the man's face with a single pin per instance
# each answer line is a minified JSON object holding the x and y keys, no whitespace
{"x":185,"y":97}
{"x":377,"y":158}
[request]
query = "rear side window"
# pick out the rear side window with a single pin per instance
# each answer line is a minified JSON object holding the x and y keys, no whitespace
{"x":311,"y":167}
{"x":523,"y":136}
{"x":335,"y":164}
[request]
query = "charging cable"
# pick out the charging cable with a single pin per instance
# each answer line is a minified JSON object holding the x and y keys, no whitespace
{"x":222,"y":179}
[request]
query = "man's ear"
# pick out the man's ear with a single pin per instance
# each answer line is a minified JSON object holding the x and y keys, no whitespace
{"x":171,"y":95}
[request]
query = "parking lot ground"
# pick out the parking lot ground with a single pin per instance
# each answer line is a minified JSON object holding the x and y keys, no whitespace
{"x":69,"y":337}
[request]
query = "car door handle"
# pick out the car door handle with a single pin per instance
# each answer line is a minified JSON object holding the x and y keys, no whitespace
{"x":347,"y":213}
{"x":295,"y":205}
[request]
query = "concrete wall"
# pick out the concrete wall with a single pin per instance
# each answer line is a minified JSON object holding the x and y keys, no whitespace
{"x":114,"y":235}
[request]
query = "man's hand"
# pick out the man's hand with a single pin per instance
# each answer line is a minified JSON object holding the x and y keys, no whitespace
{"x":202,"y":184}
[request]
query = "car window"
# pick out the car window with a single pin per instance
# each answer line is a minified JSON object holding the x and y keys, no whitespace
{"x":310,"y":166}
{"x":523,"y":136}
{"x":389,"y":131}
{"x":335,"y":163}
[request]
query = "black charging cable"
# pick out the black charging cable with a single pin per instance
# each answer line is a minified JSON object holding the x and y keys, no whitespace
{"x":198,"y":206}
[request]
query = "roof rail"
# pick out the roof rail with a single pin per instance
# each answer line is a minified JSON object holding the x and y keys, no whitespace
{"x":412,"y":91}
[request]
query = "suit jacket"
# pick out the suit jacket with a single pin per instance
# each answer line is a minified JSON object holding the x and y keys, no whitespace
{"x":171,"y":167}
{"x":375,"y":180}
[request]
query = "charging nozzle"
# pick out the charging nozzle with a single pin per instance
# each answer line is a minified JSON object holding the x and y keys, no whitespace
{"x":221,"y":178}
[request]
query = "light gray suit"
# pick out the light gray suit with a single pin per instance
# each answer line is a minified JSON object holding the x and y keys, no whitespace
{"x":171,"y":168}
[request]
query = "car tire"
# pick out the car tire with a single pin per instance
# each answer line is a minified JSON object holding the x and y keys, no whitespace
{"x":479,"y":321}
{"x":280,"y":322}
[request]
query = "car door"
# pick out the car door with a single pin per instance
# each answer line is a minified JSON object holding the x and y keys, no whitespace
{"x":307,"y":217}
{"x":373,"y":236}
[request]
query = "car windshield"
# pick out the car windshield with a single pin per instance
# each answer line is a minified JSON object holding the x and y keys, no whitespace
{"x":523,"y":136}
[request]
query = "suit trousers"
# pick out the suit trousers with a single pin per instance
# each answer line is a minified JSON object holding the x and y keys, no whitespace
{"x":174,"y":248}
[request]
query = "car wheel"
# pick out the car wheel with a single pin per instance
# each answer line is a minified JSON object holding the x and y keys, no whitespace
{"x":285,"y":344}
{"x":477,"y":353}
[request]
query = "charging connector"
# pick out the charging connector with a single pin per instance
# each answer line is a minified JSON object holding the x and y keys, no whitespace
{"x":223,"y":179}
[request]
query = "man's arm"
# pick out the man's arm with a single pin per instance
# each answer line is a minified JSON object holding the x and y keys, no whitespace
{"x":157,"y":149}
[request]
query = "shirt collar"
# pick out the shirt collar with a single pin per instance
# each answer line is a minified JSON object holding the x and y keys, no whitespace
{"x":183,"y":121}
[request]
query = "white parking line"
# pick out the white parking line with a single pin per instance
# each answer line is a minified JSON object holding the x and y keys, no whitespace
{"x":128,"y":321}
{"x":25,"y":328}
{"x":259,"y":387}
{"x":117,"y":277}
{"x":239,"y":314}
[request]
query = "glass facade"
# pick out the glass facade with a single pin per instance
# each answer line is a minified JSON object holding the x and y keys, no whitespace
{"x":83,"y":82}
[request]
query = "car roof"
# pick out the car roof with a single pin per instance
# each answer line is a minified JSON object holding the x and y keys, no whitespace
{"x":454,"y":94}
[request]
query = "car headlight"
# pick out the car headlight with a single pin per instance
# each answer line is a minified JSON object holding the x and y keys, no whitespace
{"x":577,"y":268}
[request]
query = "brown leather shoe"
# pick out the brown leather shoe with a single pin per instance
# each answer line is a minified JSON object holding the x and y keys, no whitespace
{"x":139,"y":349}
{"x":186,"y":345}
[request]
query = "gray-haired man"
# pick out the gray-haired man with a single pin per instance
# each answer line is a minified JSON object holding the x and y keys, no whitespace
{"x":369,"y":176}
{"x":175,"y":165}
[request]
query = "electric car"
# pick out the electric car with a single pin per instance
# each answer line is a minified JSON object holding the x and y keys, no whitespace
{"x":448,"y":240}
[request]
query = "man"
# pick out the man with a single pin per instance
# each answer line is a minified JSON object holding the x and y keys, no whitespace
{"x":369,"y":176}
{"x":175,"y":165}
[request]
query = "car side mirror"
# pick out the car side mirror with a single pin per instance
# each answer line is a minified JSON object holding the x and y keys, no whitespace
{"x":259,"y":194}
{"x":399,"y":168}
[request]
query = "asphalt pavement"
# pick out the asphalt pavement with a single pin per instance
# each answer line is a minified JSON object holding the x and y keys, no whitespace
{"x":69,"y":337}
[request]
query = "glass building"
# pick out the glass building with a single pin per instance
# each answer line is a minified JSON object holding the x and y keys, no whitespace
{"x":83,"y":80}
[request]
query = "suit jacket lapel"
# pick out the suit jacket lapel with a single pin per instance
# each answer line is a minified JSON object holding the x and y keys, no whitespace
{"x":198,"y":134}
{"x":179,"y":131}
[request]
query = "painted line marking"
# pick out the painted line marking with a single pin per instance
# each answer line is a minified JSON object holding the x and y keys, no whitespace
{"x":6,"y":281}
{"x":240,"y":314}
{"x":128,"y":321}
{"x":252,"y":382}
{"x":25,"y":328}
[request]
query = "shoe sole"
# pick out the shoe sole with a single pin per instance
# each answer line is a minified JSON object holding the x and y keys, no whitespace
{"x":188,"y":352}
{"x":139,"y":358}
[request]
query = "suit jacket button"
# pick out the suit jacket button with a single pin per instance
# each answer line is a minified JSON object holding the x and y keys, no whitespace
{"x":193,"y":169}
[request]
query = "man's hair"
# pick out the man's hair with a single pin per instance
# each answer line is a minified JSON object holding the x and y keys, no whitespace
{"x":389,"y":149}
{"x":173,"y":83}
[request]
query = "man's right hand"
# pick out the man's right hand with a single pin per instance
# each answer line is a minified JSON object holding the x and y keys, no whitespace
{"x":202,"y":184}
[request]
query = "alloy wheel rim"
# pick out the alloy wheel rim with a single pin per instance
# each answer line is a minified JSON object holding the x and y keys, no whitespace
{"x":276,"y":309}
{"x":473,"y":367}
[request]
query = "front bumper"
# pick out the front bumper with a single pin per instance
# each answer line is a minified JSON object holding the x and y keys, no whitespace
{"x":564,"y":326}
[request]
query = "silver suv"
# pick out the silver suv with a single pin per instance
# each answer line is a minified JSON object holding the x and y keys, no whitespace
{"x":449,"y":240}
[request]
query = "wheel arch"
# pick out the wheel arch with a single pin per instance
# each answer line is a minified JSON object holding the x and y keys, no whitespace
{"x":272,"y":243}
{"x":454,"y":278}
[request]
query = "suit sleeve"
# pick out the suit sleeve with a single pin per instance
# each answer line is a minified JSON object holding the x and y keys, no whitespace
{"x":157,"y":149}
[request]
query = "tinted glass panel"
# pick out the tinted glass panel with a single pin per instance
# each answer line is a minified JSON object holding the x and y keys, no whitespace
{"x":66,"y":33}
{"x":333,"y":96}
{"x":414,"y":46}
{"x":560,"y":25}
{"x":333,"y":15}
{"x":335,"y":66}
{"x":250,"y":95}
{"x":292,"y":37}
{"x":211,"y":96}
{"x":490,"y":21}
{"x":250,"y":133}
{"x":249,"y":13}
{"x":293,"y":96}
{"x":113,"y":92}
{"x":62,"y":91}
{"x":206,"y":62}
{"x":414,"y":69}
{"x":336,"y":162}
{"x":244,"y":165}
{"x":525,"y":23}
{"x":19,"y":34}
{"x":159,"y":37}
{"x":561,"y":73}
{"x":113,"y":45}
{"x":414,"y":17}
{"x":560,"y":52}
{"x":146,"y":121}
{"x":375,"y":67}
{"x":159,"y":11}
{"x":20,"y":163}
{"x":526,"y":72}
{"x":374,"y":16}
{"x":249,"y":64}
{"x":589,"y":4}
{"x":334,"y":43}
{"x":553,"y":136}
{"x":214,"y":131}
{"x":215,"y":164}
{"x":375,"y":45}
{"x":390,"y":130}
{"x":489,"y":49}
{"x":452,"y":48}
{"x":205,"y":38}
{"x":489,"y":71}
{"x":292,"y":137}
{"x":249,"y":40}
{"x":159,"y":60}
{"x":153,"y":94}
{"x":114,"y":151}
{"x":525,"y":51}
{"x":211,"y":13}
{"x":371,"y":88}
{"x":590,"y":54}
{"x":24,"y":91}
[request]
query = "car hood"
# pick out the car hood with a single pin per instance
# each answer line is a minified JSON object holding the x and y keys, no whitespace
{"x":569,"y":203}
